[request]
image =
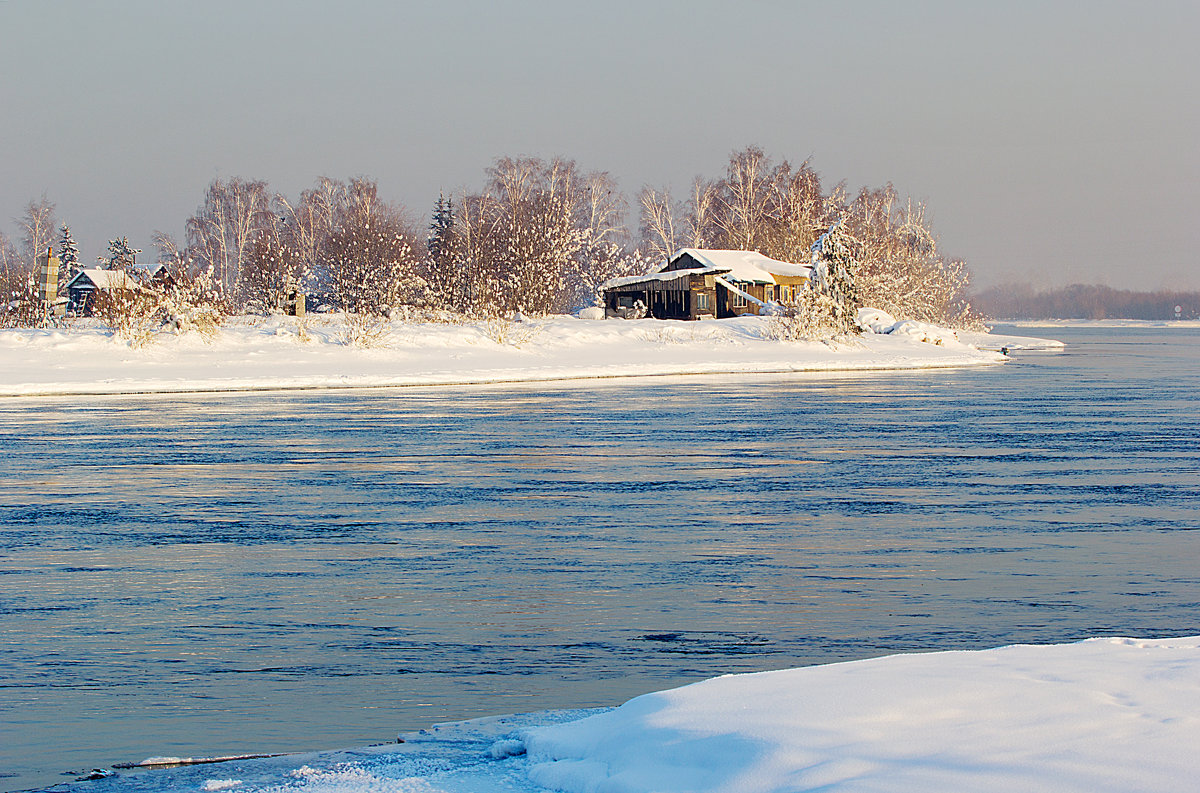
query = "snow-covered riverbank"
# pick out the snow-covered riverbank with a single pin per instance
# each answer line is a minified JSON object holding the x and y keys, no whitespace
{"x":1099,"y":715}
{"x":257,"y":353}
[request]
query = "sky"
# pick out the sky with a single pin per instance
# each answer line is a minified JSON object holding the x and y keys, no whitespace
{"x":1053,"y":142}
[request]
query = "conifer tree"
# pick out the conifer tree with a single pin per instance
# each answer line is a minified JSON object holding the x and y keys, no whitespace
{"x":441,"y":230}
{"x":68,"y":251}
{"x":120,"y":254}
{"x":834,"y":272}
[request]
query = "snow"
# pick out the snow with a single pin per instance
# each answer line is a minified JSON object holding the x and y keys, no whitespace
{"x":270,"y":353}
{"x":662,"y":277}
{"x":746,"y":266}
{"x":749,"y":297}
{"x":107,"y":279}
{"x":874,"y":320}
{"x":1107,"y":714}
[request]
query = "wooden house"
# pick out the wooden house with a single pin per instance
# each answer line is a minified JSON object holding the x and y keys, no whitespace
{"x":88,"y":283}
{"x":156,"y":275}
{"x":702,"y":284}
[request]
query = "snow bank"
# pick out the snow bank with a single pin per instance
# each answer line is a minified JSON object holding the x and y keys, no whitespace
{"x":1102,"y":715}
{"x":277,"y":353}
{"x":1099,"y":715}
{"x":873,"y":320}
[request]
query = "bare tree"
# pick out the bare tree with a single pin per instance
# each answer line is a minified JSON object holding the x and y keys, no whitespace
{"x":19,"y":305}
{"x":223,"y":231}
{"x":742,"y":199}
{"x":169,"y":252}
{"x":658,"y":222}
{"x":37,"y":229}
{"x":370,"y":261}
{"x":701,"y":208}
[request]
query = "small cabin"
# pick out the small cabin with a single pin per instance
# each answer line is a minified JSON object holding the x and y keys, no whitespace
{"x":156,"y":275}
{"x":704,"y":284}
{"x":87,"y":284}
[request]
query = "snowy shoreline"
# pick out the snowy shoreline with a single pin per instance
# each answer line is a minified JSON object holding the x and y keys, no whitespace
{"x":1103,"y":714}
{"x":253,"y":354}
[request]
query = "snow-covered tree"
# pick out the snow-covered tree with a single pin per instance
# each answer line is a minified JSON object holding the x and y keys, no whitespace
{"x":19,"y":306}
{"x":835,"y":275}
{"x":902,"y":271}
{"x":120,"y":254}
{"x":369,"y":264}
{"x":68,"y":251}
{"x":449,"y":284}
{"x":537,"y":239}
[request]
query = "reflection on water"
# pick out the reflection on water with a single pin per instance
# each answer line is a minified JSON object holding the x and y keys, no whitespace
{"x":214,"y":574}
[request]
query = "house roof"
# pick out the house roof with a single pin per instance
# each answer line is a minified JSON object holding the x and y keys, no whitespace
{"x":667,"y":275}
{"x":746,"y":266}
{"x":105,"y":279}
{"x":147,"y":269}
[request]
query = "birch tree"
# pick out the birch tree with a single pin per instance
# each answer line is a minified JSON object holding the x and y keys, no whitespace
{"x":368,"y":262}
{"x":221,"y":234}
{"x":659,"y":235}
{"x":539,"y":239}
{"x":37,"y":229}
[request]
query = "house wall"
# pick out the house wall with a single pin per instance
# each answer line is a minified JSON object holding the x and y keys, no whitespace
{"x":703,"y":297}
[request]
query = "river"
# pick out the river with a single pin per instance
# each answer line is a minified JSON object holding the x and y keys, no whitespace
{"x":210,"y":574}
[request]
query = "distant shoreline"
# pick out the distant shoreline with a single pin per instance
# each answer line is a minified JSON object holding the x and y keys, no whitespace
{"x":1097,"y":323}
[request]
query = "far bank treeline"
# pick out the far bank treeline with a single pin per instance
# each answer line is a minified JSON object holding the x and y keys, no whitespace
{"x":539,"y":238}
{"x":1086,"y":301}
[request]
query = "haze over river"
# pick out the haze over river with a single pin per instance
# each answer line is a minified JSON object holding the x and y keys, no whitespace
{"x":214,"y":574}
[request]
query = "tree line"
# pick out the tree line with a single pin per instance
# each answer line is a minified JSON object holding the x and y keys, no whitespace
{"x":1086,"y":301}
{"x":539,"y":237}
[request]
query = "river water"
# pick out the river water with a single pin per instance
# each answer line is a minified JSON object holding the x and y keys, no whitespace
{"x":203,"y":575}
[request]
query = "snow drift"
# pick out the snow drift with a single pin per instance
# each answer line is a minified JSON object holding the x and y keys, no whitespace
{"x":1100,"y":715}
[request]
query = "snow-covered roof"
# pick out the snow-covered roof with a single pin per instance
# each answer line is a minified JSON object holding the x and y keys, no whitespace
{"x":669,"y":275}
{"x":746,"y":266}
{"x":106,"y":279}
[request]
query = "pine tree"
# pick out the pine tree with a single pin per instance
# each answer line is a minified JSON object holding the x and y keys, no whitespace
{"x":120,"y":254}
{"x":441,"y":230}
{"x":68,"y":251}
{"x":448,"y":281}
{"x":834,"y":274}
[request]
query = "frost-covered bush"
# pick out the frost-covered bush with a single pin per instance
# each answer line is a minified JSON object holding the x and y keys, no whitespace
{"x":134,"y":315}
{"x":807,"y":318}
{"x":513,"y":332}
{"x":194,"y":304}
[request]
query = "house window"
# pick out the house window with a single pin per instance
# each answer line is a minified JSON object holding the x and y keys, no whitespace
{"x":739,"y":300}
{"x":769,"y":292}
{"x":702,"y":302}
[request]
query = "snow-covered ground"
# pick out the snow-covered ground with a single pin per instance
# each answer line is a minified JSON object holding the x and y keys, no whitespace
{"x":1100,"y":715}
{"x":257,"y":353}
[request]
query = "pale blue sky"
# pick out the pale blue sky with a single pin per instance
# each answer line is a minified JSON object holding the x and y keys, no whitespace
{"x":1053,"y":142}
